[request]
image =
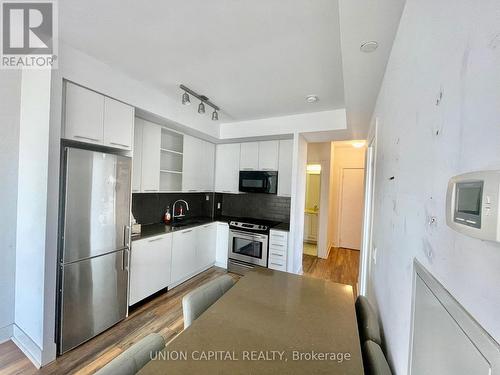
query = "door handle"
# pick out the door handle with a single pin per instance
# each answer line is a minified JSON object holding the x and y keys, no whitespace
{"x":87,"y":138}
{"x":119,"y":144}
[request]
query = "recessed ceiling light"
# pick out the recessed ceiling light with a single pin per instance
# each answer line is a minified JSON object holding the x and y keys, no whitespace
{"x":368,"y":47}
{"x":358,"y":144}
{"x":312,"y":98}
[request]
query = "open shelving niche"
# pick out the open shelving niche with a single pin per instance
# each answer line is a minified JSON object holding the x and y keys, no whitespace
{"x":171,"y":151}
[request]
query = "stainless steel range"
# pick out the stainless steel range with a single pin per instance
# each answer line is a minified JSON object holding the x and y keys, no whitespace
{"x":248,"y":244}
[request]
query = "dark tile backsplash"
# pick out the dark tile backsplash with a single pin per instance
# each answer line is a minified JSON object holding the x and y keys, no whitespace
{"x":258,"y":206}
{"x":149,"y":208}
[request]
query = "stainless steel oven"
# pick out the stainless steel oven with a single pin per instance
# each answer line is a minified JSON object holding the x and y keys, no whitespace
{"x":247,"y":246}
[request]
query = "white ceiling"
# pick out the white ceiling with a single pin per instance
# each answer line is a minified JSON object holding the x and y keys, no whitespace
{"x":253,"y":58}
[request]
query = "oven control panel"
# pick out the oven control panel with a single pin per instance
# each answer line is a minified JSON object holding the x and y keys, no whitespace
{"x":248,"y":226}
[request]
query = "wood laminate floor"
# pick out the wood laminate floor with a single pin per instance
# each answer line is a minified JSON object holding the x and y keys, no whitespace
{"x":342,"y":266}
{"x":162,"y":314}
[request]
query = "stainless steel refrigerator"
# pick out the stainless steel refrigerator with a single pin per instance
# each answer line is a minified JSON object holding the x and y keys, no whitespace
{"x":94,"y":244}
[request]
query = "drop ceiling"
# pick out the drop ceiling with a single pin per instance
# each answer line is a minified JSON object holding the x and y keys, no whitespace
{"x":255,"y":59}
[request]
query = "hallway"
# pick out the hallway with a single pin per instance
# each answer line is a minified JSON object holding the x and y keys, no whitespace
{"x":342,"y":266}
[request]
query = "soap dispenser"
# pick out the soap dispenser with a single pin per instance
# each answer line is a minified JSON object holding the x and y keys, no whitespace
{"x":167,"y":218}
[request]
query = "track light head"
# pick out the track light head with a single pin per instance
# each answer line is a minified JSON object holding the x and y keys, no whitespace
{"x":215,"y":116}
{"x":201,"y":108}
{"x":185,"y":99}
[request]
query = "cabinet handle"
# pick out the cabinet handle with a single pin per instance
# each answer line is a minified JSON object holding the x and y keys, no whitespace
{"x":226,"y":191}
{"x":186,"y":231}
{"x":155,"y":239}
{"x":276,"y":264}
{"x":280,"y":255}
{"x":119,"y":144}
{"x":192,"y":191}
{"x":87,"y":138}
{"x":206,"y":226}
{"x":268,"y":169}
{"x":277,"y":244}
{"x":150,"y":190}
{"x":247,"y":169}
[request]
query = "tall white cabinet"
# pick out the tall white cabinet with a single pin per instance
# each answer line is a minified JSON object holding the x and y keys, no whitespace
{"x":285,"y":160}
{"x":198,"y":165}
{"x":227,"y":170}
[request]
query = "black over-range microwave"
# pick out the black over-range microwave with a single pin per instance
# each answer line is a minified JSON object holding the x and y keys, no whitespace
{"x":259,"y":182}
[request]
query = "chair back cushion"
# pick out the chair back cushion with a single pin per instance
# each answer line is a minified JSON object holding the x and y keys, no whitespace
{"x":374,"y":359}
{"x":200,"y":299}
{"x":135,"y":357}
{"x":368,"y":326}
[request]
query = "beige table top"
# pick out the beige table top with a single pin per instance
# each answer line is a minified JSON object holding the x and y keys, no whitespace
{"x":270,"y":322}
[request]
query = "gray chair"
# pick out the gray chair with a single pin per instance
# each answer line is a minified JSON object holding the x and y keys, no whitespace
{"x":368,"y":326}
{"x":200,"y":299}
{"x":135,"y":357}
{"x":374,"y":359}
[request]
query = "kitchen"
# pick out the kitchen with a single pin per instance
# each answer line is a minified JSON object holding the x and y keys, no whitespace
{"x":194,"y":204}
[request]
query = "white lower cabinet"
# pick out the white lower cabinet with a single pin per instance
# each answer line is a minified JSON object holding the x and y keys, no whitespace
{"x":205,"y":247}
{"x":184,"y":261}
{"x":222,"y":244}
{"x":193,"y":250}
{"x":150,"y":262}
{"x":278,"y":250}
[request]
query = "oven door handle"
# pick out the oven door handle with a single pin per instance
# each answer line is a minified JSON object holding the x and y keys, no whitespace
{"x":248,"y":235}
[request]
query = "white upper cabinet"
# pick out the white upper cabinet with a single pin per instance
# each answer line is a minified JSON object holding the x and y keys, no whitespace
{"x":84,"y":115}
{"x":192,"y":155}
{"x":268,"y":155}
{"x":118,"y":124}
{"x":94,"y":118}
{"x":249,"y":156}
{"x":227,"y":168}
{"x":198,"y":165}
{"x":150,"y":163}
{"x":285,"y":168}
{"x":208,"y":172}
{"x":137,"y":158}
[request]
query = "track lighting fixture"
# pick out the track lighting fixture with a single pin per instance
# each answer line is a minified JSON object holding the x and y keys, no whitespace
{"x":185,"y":99}
{"x":201,"y":108}
{"x":203,"y":100}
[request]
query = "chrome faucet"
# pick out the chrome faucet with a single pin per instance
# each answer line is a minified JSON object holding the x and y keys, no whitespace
{"x":173,"y":208}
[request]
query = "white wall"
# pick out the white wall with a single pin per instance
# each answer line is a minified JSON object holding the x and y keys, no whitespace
{"x":303,"y":123}
{"x":31,"y":211}
{"x":343,"y":156}
{"x":320,"y":153}
{"x":297,"y":204}
{"x":451,"y":46}
{"x":10,"y":94}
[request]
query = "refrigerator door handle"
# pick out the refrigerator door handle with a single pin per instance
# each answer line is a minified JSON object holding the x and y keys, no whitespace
{"x":126,"y":254}
{"x":126,"y":235}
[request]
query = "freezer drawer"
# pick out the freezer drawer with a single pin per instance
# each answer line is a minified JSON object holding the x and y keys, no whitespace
{"x":94,"y":297}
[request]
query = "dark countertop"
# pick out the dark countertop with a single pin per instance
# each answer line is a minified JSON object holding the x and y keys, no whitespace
{"x":156,"y":229}
{"x":282,"y":226}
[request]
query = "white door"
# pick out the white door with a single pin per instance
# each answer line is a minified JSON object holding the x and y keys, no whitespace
{"x":351,"y":207}
{"x":227,"y":168}
{"x":118,"y":124}
{"x":84,"y":120}
{"x":150,"y":169}
{"x":285,"y":168}
{"x":268,"y":155}
{"x":137,"y":158}
{"x":249,"y":156}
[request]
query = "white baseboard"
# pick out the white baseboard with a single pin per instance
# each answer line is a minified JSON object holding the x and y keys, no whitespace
{"x":6,"y":333}
{"x":27,"y":346}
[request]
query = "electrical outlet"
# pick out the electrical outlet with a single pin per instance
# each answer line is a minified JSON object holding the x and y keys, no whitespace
{"x":207,"y":197}
{"x":218,"y":205}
